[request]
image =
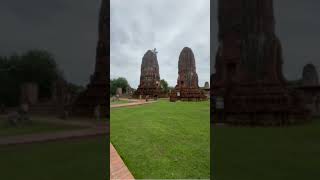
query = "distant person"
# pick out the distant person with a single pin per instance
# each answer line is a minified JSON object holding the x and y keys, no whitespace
{"x":65,"y":113}
{"x":25,"y":108}
{"x":155,"y":98}
{"x":13,"y":118}
{"x":97,"y":112}
{"x":24,"y":112}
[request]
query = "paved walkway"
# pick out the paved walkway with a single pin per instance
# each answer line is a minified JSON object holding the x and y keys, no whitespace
{"x":136,"y":102}
{"x":85,"y":123}
{"x":118,"y":170}
{"x":90,"y":130}
{"x":46,"y":137}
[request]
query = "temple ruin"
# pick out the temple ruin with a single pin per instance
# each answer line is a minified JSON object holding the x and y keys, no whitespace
{"x":310,"y":76}
{"x":248,"y":86}
{"x":310,"y":88}
{"x":149,"y":77}
{"x":97,"y":90}
{"x":187,"y":88}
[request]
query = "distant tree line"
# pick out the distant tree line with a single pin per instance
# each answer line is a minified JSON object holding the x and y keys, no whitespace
{"x":37,"y":66}
{"x":120,"y":82}
{"x":164,"y":86}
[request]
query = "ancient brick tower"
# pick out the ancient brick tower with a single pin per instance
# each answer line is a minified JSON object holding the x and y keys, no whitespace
{"x":310,"y":88}
{"x":149,"y":77}
{"x":97,"y":90}
{"x":187,"y":88}
{"x":249,"y":50}
{"x":310,"y":76}
{"x":249,"y":67}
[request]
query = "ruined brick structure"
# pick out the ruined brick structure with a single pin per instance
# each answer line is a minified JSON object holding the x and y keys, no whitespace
{"x":206,"y":85}
{"x":149,"y":77}
{"x":310,"y":89}
{"x":310,"y":76}
{"x":187,"y":88}
{"x":29,"y":93}
{"x":249,"y":67}
{"x":206,"y":89}
{"x":97,"y":90}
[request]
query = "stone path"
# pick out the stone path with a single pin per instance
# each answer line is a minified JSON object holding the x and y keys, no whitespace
{"x":90,"y":131}
{"x":84,"y":123}
{"x":45,"y":137}
{"x":134,"y":103}
{"x":118,"y":170}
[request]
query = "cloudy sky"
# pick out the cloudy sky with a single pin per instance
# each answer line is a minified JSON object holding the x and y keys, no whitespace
{"x":68,"y":29}
{"x":168,"y":25}
{"x":298,"y":27}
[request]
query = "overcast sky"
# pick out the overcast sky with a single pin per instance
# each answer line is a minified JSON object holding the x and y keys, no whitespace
{"x":68,"y":29}
{"x":169,"y":26}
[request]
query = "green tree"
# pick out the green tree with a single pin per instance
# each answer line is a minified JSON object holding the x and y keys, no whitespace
{"x":164,"y":85}
{"x":39,"y":66}
{"x":36,"y":66}
{"x":120,"y":82}
{"x":75,"y":89}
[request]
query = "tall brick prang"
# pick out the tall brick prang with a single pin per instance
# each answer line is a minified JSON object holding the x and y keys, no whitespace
{"x":97,"y":90}
{"x":187,"y":88}
{"x":149,"y":77}
{"x":248,"y":66}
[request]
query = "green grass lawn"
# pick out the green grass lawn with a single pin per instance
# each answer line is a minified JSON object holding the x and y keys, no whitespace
{"x":81,"y":159}
{"x":164,"y":139}
{"x":266,"y":153}
{"x":35,"y":127}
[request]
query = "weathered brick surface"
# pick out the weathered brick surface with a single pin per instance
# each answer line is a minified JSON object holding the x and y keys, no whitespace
{"x":118,"y":170}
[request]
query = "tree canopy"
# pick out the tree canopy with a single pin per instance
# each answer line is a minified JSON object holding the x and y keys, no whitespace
{"x":120,"y":82}
{"x":164,"y":85}
{"x":36,"y":66}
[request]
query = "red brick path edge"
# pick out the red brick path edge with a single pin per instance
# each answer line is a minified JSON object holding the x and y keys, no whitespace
{"x":118,"y":170}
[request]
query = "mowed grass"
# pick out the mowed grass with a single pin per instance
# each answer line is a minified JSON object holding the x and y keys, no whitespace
{"x":81,"y":159}
{"x":164,"y":140}
{"x":266,"y":153}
